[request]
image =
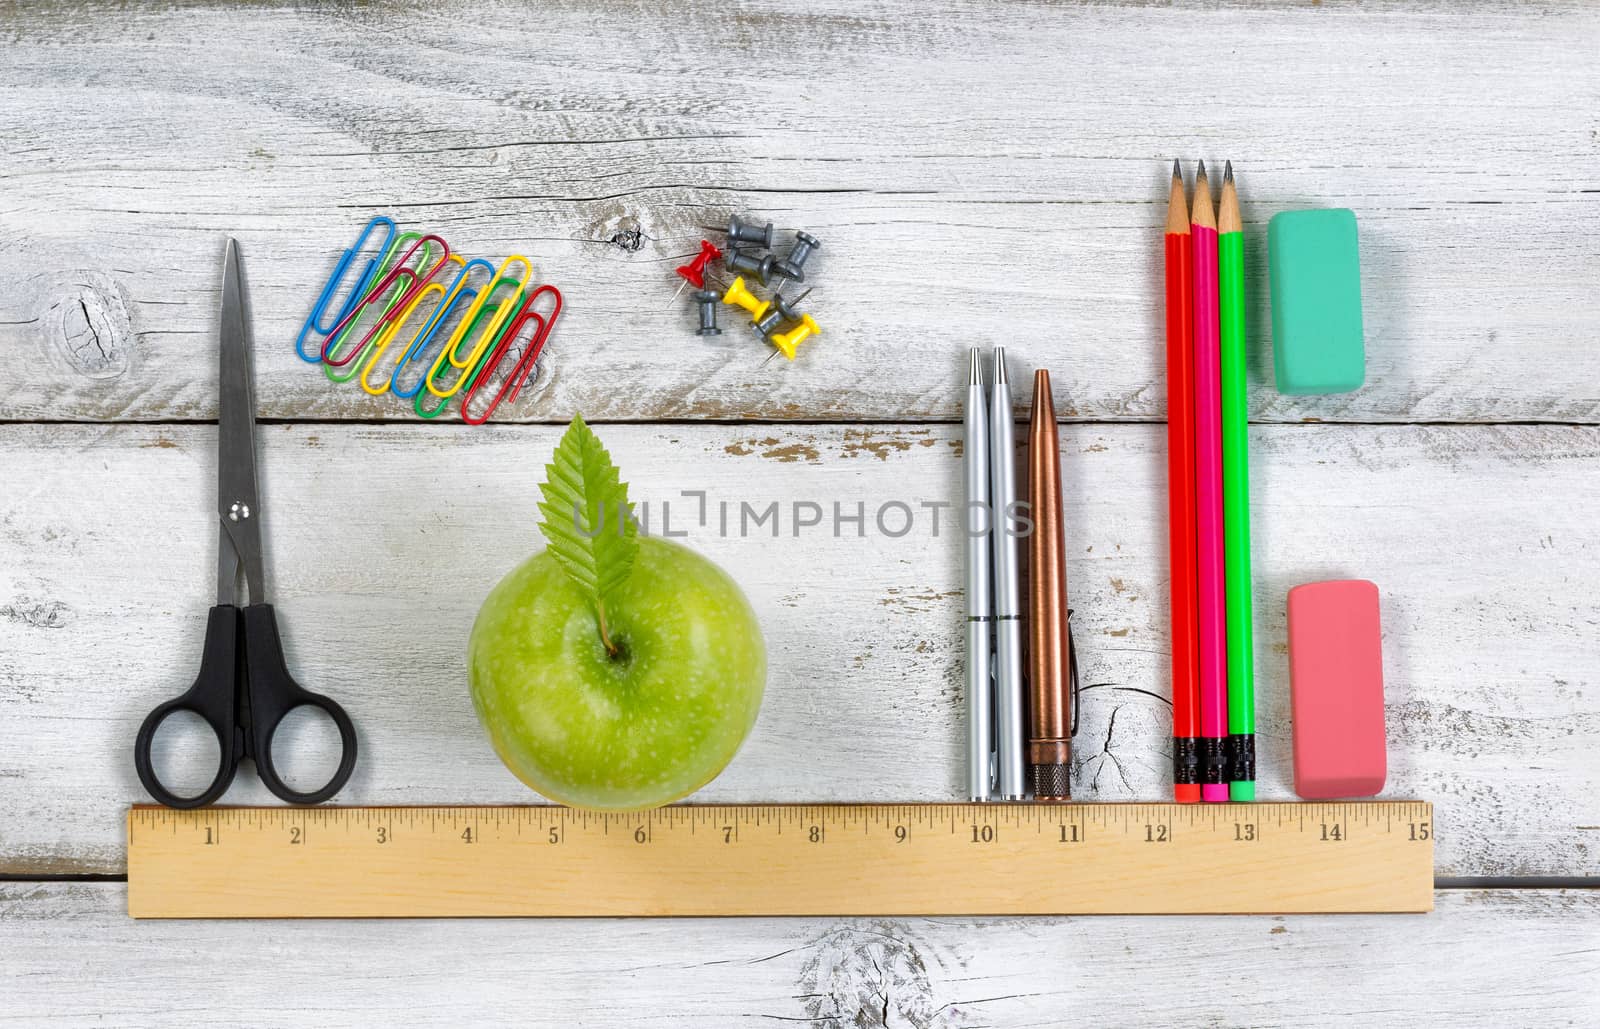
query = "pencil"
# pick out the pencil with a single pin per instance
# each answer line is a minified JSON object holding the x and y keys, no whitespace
{"x":1236,"y":496}
{"x":1208,"y":492}
{"x":1180,"y":501}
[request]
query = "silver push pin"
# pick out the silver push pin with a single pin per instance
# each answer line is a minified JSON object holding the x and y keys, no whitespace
{"x":740,"y":232}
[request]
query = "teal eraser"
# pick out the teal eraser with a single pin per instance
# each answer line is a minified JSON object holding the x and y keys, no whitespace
{"x":1315,"y":271}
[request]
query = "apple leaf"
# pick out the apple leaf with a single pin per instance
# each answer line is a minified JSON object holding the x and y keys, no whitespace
{"x":587,"y":520}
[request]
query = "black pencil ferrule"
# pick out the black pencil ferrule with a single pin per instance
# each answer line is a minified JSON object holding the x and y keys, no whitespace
{"x":1213,"y":760}
{"x":1242,"y":757}
{"x":1185,"y":760}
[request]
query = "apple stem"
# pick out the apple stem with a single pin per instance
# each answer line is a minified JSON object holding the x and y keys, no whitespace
{"x":605,"y":636}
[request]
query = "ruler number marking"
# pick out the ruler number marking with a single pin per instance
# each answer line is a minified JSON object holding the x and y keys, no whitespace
{"x":1244,"y":832}
{"x":1420,"y":831}
{"x":1332,"y":832}
{"x":1157,"y":832}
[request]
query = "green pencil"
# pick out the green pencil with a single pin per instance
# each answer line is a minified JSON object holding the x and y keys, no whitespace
{"x":1236,"y":498}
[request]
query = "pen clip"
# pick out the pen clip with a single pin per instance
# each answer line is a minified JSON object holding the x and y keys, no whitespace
{"x":1072,"y":671}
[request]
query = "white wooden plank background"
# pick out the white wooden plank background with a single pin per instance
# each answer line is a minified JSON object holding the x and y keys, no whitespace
{"x":980,"y":173}
{"x":1468,"y":961}
{"x":381,"y":542}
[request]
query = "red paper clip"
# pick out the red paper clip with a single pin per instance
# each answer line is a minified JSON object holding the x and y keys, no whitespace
{"x":695,"y":271}
{"x":526,"y":363}
{"x":415,"y":280}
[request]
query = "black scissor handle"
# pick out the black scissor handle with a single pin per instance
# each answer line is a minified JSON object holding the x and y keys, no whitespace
{"x":273,"y":694}
{"x":215,"y":698}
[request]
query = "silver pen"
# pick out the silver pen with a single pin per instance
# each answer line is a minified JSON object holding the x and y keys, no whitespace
{"x":1009,"y":730}
{"x":980,"y":610}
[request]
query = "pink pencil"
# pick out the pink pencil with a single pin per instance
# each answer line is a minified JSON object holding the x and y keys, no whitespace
{"x":1208,"y":480}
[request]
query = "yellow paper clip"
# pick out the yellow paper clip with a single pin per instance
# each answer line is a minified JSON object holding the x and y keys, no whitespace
{"x":508,"y":306}
{"x":401,"y":320}
{"x":739,"y":296}
{"x":787,"y":342}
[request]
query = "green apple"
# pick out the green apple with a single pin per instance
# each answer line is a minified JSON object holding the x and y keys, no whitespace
{"x":643,"y":726}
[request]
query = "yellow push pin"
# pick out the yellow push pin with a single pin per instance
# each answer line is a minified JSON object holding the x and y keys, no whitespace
{"x":787,"y":342}
{"x":739,"y":296}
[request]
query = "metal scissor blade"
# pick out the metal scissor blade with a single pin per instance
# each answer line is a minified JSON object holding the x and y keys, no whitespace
{"x":238,"y":496}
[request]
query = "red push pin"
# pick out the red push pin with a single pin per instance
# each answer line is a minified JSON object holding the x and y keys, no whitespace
{"x":694,"y":273}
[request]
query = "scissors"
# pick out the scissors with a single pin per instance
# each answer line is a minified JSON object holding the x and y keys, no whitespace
{"x":244,"y":689}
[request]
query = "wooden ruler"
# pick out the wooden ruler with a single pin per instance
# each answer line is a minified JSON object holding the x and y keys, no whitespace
{"x":846,"y":859}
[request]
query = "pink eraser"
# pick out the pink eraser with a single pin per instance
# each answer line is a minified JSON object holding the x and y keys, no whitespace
{"x":1336,"y":684}
{"x":1214,"y":793}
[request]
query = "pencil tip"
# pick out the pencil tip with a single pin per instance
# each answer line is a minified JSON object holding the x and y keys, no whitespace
{"x":1177,"y":169}
{"x":1200,"y":170}
{"x":1227,"y":172}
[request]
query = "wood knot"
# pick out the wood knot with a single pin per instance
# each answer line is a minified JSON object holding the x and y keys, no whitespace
{"x":629,"y":239}
{"x":868,"y":975}
{"x":614,"y":226}
{"x":85,"y":322}
{"x":37,"y":614}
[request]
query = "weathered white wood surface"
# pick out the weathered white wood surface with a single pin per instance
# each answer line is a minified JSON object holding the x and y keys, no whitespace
{"x":979,"y":173}
{"x":382,"y":541}
{"x":71,"y":957}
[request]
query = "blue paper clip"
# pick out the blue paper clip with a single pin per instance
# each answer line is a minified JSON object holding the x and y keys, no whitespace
{"x":342,"y":369}
{"x":458,"y":293}
{"x":314,"y":320}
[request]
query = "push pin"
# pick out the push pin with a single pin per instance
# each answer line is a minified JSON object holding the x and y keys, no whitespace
{"x":694,"y":273}
{"x":739,"y":296}
{"x":760,"y":268}
{"x":739,"y":232}
{"x":792,"y":266}
{"x":707,"y":300}
{"x":787,"y":342}
{"x":783,"y":310}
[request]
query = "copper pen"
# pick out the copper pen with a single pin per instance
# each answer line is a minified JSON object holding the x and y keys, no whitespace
{"x":1051,"y":669}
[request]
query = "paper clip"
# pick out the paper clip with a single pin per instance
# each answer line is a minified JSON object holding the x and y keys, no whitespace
{"x":332,"y":344}
{"x":491,"y":333}
{"x":487,"y":312}
{"x":460,"y":293}
{"x":397,"y":324}
{"x":358,"y":288}
{"x":415,"y":280}
{"x":527,"y":362}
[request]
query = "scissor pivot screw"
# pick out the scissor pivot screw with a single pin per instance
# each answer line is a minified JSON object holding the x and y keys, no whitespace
{"x":238,"y":511}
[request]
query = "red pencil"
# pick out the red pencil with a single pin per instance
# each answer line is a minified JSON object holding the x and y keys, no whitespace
{"x":1208,"y":493}
{"x":1181,"y":501}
